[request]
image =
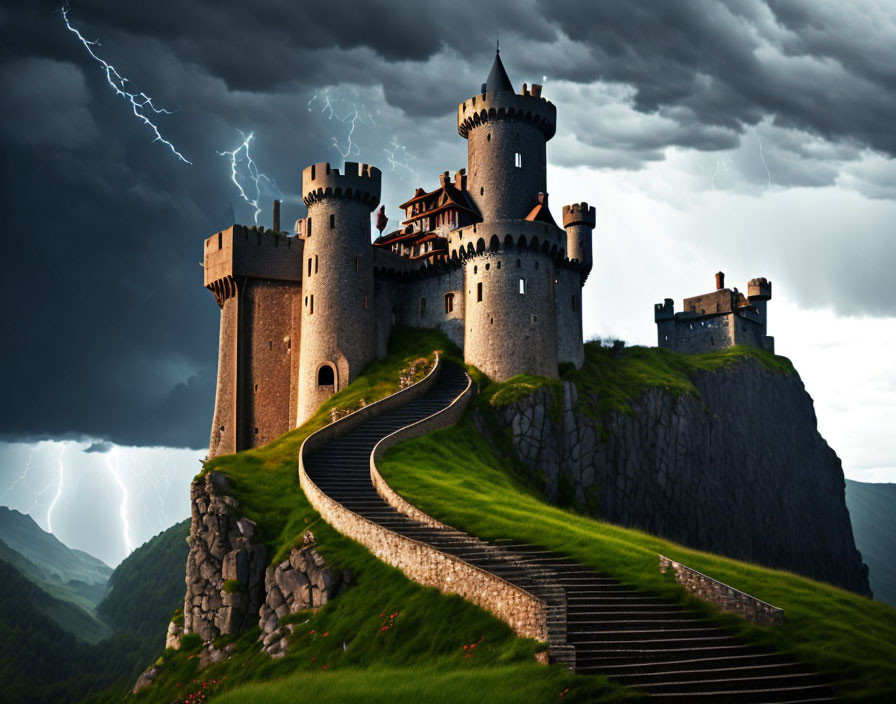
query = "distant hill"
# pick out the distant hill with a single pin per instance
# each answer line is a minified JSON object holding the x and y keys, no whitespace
{"x":872,"y":508}
{"x":46,"y":551}
{"x":149,"y":584}
{"x":41,"y":660}
{"x":63,"y":605}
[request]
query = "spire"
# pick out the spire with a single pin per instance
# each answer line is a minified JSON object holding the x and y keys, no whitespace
{"x":497,"y":78}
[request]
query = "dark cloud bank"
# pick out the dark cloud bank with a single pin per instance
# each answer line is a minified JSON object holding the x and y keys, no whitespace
{"x":106,"y":329}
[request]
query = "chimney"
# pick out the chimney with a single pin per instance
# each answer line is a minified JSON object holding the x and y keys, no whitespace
{"x":275,"y":225}
{"x":720,"y":281}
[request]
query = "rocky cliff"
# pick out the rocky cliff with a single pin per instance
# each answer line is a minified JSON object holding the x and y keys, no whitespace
{"x":736,"y":468}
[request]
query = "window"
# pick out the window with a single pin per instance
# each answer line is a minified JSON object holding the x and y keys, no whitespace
{"x":332,"y":221}
{"x":475,"y":269}
{"x":518,"y":160}
{"x":479,"y":292}
{"x":308,"y":228}
{"x":325,"y":376}
{"x":482,"y":193}
{"x":487,"y":266}
{"x":220,"y":240}
{"x":449,"y":303}
{"x":422,"y":307}
{"x":309,"y":266}
{"x":311,"y":307}
{"x":499,"y":265}
{"x":366,"y":301}
{"x":522,"y":286}
{"x":488,"y":137}
{"x":315,"y":263}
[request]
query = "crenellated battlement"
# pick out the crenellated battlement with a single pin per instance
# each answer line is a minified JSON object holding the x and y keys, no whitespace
{"x":359,"y":182}
{"x":254,"y":252}
{"x":490,"y":106}
{"x":759,"y":289}
{"x":579,"y":214}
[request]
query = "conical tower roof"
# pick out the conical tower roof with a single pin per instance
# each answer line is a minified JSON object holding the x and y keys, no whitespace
{"x":497,"y":78}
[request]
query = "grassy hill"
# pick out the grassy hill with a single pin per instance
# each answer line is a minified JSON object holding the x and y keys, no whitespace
{"x":459,"y":478}
{"x":872,"y":509}
{"x":342,"y":653}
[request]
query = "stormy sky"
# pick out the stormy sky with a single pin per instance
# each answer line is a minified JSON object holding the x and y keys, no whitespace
{"x":753,"y":136}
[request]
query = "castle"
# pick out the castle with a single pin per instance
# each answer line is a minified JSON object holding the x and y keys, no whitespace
{"x":717,"y":320}
{"x":480,"y":257}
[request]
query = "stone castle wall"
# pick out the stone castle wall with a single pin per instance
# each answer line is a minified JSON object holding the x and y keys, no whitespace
{"x":698,"y":335}
{"x":740,"y":470}
{"x":568,"y":310}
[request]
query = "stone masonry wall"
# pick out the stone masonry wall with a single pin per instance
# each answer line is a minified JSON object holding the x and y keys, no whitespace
{"x":740,"y":470}
{"x":722,"y":596}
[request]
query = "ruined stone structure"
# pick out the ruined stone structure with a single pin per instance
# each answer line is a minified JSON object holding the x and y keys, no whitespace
{"x":480,"y":257}
{"x":717,"y":320}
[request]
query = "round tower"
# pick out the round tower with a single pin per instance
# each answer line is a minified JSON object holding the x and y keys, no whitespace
{"x":338,"y":324}
{"x":579,"y":221}
{"x":510,"y":317}
{"x":506,"y":135}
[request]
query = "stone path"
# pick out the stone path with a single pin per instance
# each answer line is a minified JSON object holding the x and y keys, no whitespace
{"x":634,"y":637}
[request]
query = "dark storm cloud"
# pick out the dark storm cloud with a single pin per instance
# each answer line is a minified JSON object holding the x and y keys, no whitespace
{"x":107,"y":331}
{"x":99,"y":447}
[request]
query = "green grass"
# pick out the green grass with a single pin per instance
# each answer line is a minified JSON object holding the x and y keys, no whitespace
{"x":457,"y":477}
{"x":508,"y":684}
{"x":429,"y":630}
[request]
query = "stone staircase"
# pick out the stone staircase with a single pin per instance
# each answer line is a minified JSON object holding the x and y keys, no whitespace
{"x":594,"y":622}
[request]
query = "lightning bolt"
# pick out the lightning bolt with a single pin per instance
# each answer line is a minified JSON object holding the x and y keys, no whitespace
{"x":255,"y":176}
{"x":140,"y":102}
{"x":352,"y":117}
{"x":114,"y":470}
{"x":762,"y":156}
{"x":399,"y":158}
{"x":19,"y":479}
{"x":58,"y":489}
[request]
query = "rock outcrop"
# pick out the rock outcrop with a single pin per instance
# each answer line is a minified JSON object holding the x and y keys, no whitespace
{"x":225,"y":566}
{"x":231,"y":587}
{"x":739,"y":470}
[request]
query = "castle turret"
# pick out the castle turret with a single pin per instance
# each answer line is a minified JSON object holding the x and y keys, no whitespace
{"x":579,"y":221}
{"x":759,"y":291}
{"x":338,"y":321}
{"x":506,"y":135}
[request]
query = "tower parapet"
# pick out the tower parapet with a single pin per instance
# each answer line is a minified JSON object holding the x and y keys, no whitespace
{"x":579,"y":221}
{"x":759,"y":289}
{"x":359,"y":182}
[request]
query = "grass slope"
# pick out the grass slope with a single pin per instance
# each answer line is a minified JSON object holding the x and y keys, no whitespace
{"x":353,"y":649}
{"x":457,"y":477}
{"x":872,"y":509}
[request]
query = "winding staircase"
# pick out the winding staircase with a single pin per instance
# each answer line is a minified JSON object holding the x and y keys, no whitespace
{"x":593,"y":623}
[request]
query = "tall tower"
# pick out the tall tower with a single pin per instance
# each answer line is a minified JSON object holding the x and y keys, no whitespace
{"x":506,"y":137}
{"x":510,"y":317}
{"x":338,"y":321}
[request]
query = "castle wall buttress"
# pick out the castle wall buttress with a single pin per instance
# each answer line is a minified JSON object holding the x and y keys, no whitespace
{"x":568,"y":303}
{"x":223,"y":439}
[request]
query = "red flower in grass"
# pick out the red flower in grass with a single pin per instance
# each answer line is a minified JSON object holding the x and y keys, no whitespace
{"x":324,"y":667}
{"x":326,"y":634}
